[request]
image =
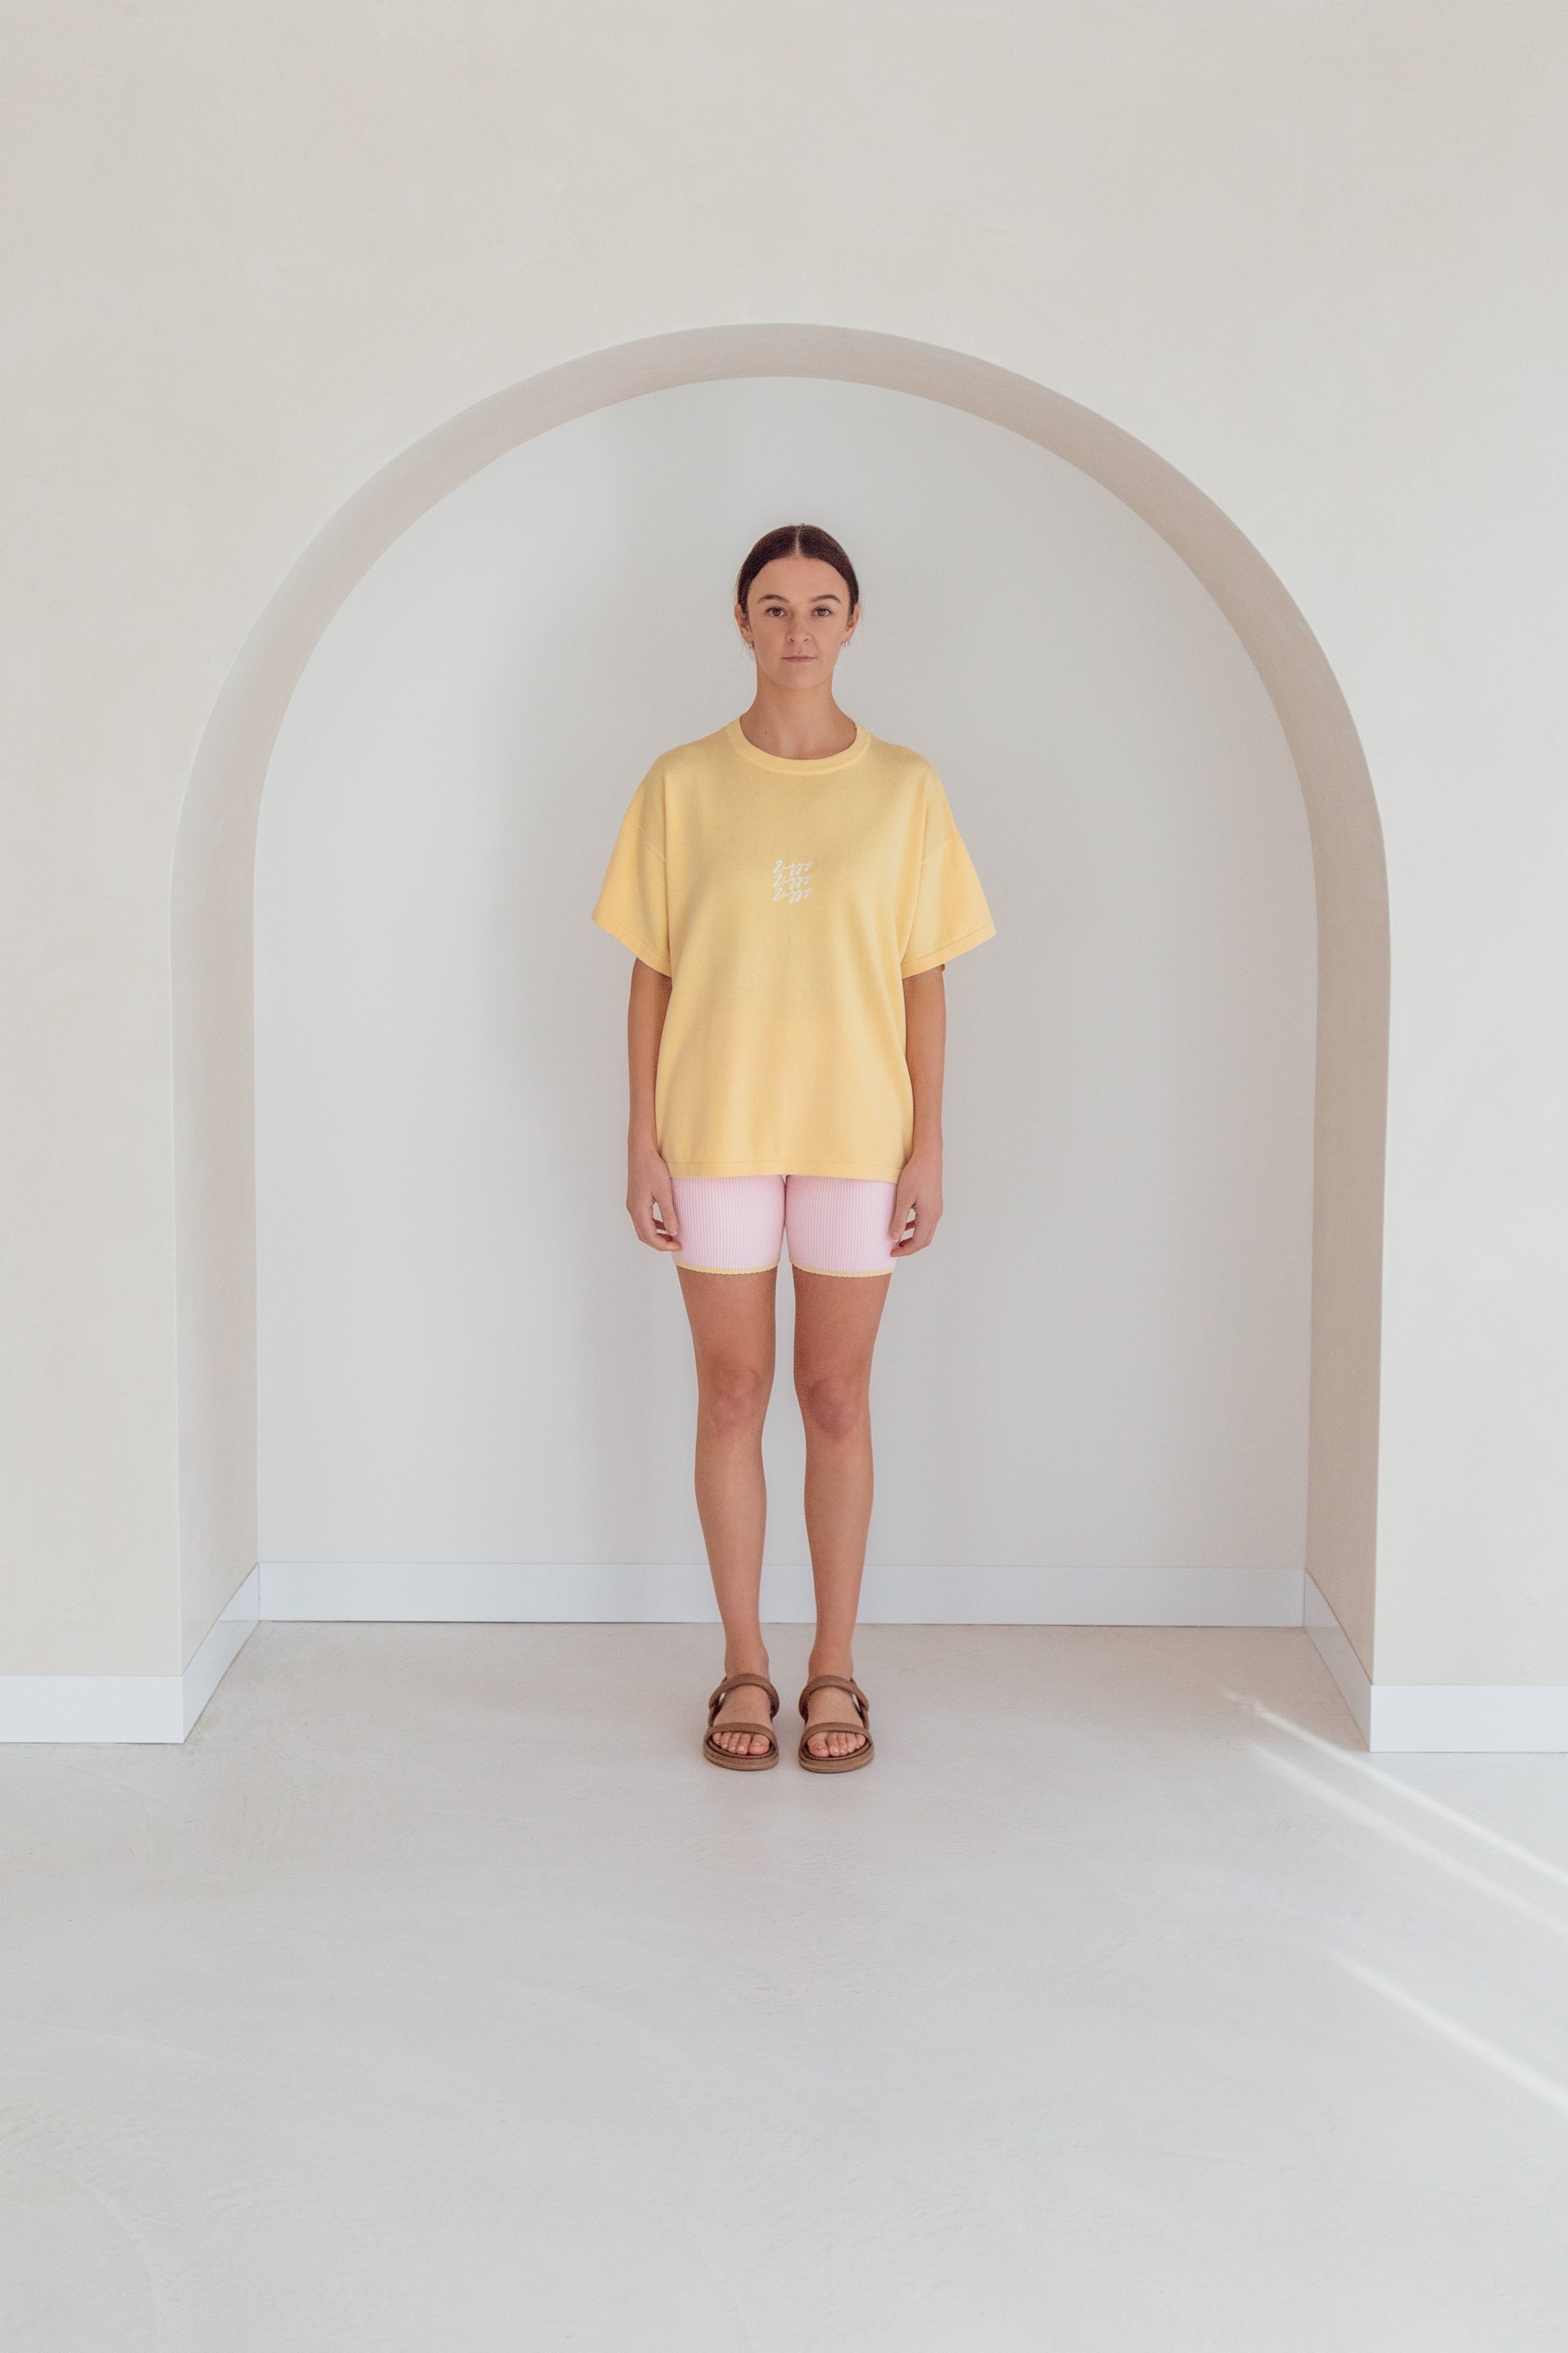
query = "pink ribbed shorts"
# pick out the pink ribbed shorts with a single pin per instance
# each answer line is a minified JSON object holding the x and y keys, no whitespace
{"x":734,"y":1225}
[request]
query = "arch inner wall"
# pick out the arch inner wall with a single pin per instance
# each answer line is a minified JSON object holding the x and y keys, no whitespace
{"x":214,"y":885}
{"x":465,"y":1356}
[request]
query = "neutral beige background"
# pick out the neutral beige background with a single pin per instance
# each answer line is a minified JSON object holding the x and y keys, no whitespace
{"x":465,"y":1352}
{"x":1310,"y":256}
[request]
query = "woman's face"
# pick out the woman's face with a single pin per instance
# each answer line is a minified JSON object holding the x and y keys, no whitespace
{"x":797,"y":620}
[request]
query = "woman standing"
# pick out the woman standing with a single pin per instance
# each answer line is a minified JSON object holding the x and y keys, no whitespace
{"x":791,"y":889}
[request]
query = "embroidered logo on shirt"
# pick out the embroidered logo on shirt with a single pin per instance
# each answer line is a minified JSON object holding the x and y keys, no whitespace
{"x":791,"y":879}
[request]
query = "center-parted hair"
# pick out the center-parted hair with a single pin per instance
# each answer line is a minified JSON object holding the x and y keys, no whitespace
{"x":796,"y":539}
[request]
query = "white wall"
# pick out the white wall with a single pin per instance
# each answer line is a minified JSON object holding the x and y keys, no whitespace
{"x":465,"y":1352}
{"x":1311,"y":256}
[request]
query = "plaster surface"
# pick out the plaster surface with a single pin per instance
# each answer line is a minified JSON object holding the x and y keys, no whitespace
{"x":436,"y":1993}
{"x":1309,"y":254}
{"x":464,"y":1353}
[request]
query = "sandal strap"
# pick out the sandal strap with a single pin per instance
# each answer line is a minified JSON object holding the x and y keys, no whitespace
{"x":761,"y":1730}
{"x":843,"y":1683}
{"x":741,"y":1683}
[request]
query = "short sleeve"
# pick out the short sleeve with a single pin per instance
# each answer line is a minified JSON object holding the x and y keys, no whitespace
{"x":634,"y":904}
{"x":950,"y":913}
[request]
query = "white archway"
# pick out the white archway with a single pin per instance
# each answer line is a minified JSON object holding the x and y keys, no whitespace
{"x":213,"y":878}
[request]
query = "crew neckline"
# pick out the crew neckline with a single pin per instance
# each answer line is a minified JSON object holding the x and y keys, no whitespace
{"x":738,"y":744}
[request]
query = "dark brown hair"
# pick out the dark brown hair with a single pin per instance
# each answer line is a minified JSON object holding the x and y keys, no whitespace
{"x":796,"y":539}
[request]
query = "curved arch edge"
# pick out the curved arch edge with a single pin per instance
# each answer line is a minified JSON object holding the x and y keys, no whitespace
{"x":213,"y":887}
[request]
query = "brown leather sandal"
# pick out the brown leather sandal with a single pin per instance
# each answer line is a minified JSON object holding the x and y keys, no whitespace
{"x":856,"y":1757}
{"x":717,"y":1755}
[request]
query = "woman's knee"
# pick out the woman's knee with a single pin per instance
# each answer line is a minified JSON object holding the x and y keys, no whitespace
{"x":732,"y":1396}
{"x":833,"y":1404}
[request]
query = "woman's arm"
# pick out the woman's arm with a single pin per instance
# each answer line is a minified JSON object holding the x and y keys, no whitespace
{"x":647,"y":1178}
{"x":925,"y":1048}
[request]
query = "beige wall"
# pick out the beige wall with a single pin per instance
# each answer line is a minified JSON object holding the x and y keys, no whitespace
{"x":1106,"y":1362}
{"x":1309,"y":258}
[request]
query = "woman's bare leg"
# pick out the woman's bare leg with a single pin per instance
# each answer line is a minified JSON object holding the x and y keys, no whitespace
{"x":732,"y":1333}
{"x":836,"y":1321}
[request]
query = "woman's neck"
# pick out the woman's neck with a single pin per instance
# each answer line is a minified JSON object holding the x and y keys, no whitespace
{"x":797,"y":726}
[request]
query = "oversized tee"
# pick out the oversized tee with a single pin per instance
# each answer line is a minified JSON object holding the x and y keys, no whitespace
{"x":788,"y":900}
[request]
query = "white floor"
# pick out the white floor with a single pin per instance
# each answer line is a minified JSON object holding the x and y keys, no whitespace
{"x":435,"y":1998}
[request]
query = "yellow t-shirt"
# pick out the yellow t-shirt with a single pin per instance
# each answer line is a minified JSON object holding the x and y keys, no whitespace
{"x":789,"y":900}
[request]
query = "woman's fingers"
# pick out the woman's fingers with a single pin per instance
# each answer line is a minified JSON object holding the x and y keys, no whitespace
{"x":904,"y":1246}
{"x":650,"y":1204}
{"x":649,"y":1218}
{"x":668,"y":1224}
{"x":666,"y":1227}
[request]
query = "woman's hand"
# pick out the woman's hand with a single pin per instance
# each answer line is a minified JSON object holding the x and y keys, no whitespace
{"x":650,"y":1198}
{"x":925,"y":1046}
{"x":919,"y":1189}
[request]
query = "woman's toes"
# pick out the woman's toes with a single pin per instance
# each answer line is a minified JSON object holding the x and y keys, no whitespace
{"x":739,"y":1744}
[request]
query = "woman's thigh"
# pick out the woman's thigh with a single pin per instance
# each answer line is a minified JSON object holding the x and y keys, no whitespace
{"x":835,"y":1323}
{"x":733,"y":1337}
{"x":841,"y":1251}
{"x":732,"y":1231}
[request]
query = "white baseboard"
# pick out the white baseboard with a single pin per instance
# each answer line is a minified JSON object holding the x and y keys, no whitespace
{"x":1439,"y":1719}
{"x":164,"y":1708}
{"x":130,"y":1707}
{"x":223,"y":1643}
{"x":1478,"y":1718}
{"x":510,"y":1592}
{"x":1338,"y":1653}
{"x":1412,"y":1717}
